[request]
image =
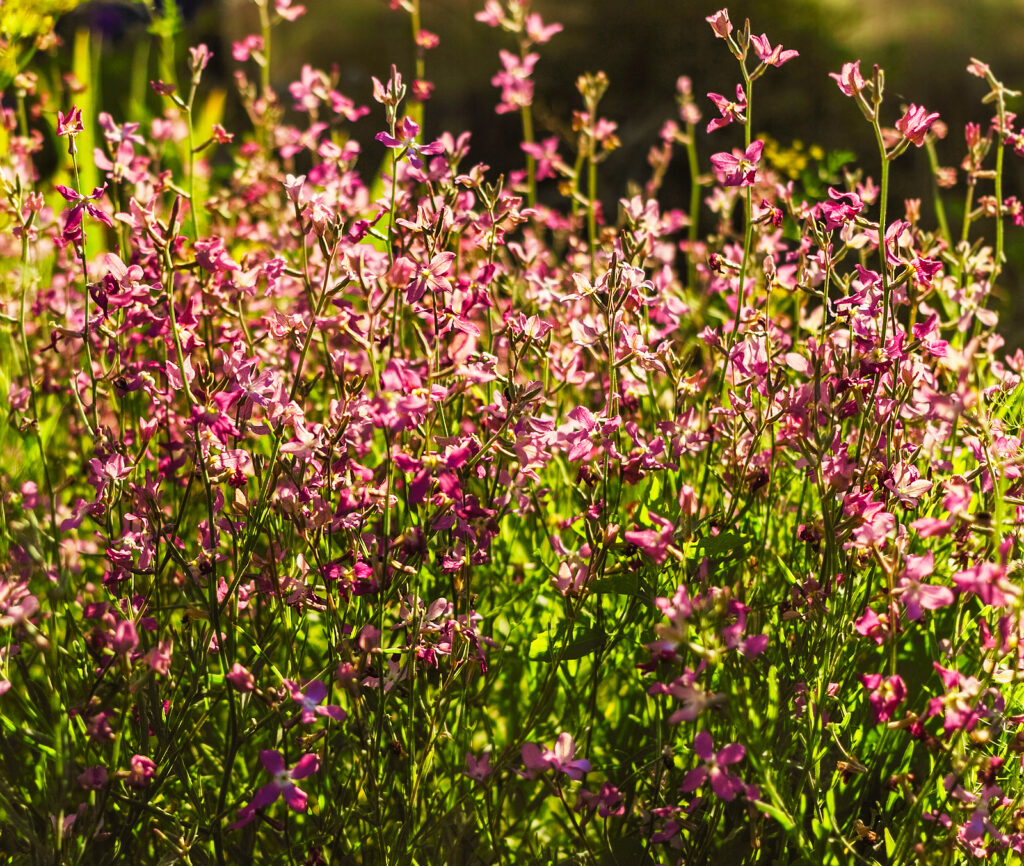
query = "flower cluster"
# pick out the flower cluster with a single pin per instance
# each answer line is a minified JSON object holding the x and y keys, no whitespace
{"x":470,"y":509}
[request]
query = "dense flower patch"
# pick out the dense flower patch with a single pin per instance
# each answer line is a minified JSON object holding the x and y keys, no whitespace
{"x":431,"y":514}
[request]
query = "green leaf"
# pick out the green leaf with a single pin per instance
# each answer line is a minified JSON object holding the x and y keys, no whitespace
{"x":618,"y":584}
{"x":776,"y":813}
{"x":890,"y":843}
{"x":588,"y":642}
{"x":724,"y":542}
{"x":772,"y":709}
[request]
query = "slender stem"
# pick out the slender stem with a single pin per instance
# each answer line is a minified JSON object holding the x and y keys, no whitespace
{"x":691,"y":231}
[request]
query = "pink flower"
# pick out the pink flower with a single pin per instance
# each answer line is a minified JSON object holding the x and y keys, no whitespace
{"x":142,"y":771}
{"x":241,"y":678}
{"x":725,"y":786}
{"x":199,"y":57}
{"x":988,"y":582}
{"x":514,"y":81}
{"x":245,"y":49}
{"x":608,"y":801}
{"x":771,"y":56}
{"x":720,"y":23}
{"x":915,"y":123}
{"x":282,"y":785}
{"x":560,"y":759}
{"x":729,"y":110}
{"x":916,"y":595}
{"x":906,"y":484}
{"x":432,"y":277}
{"x":478,"y":768}
{"x":885,"y":694}
{"x":538,"y":31}
{"x":288,"y":12}
{"x":492,"y":14}
{"x":309,"y":699}
{"x":849,"y":80}
{"x":842,"y":208}
{"x":71,"y":123}
{"x":653,"y":542}
{"x":407,"y":144}
{"x":733,"y":170}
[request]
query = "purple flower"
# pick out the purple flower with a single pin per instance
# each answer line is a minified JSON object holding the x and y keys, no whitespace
{"x":406,"y":142}
{"x":142,"y":771}
{"x":282,"y":785}
{"x":309,"y":699}
{"x":733,"y":170}
{"x":725,"y":786}
{"x":560,"y":759}
{"x":885,"y":694}
{"x":478,"y":768}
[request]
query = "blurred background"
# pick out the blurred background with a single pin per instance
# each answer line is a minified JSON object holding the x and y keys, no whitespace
{"x":643,"y":46}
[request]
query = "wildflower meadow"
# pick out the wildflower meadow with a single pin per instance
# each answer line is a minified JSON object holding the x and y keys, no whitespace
{"x":364,"y":504}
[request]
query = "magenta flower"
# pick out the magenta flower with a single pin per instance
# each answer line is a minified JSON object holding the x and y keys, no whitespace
{"x":916,"y":595}
{"x":608,"y":801}
{"x":849,"y":80}
{"x":407,"y":144}
{"x":885,"y":694}
{"x":282,"y":785}
{"x":514,"y":81}
{"x":842,"y":207}
{"x":771,"y":56}
{"x":70,"y":124}
{"x":988,"y":582}
{"x":725,"y":786}
{"x":733,"y":170}
{"x":915,"y":123}
{"x":654,"y":542}
{"x":538,"y":31}
{"x":906,"y":484}
{"x":478,"y":768}
{"x":309,"y":699}
{"x":720,"y":23}
{"x":560,"y":759}
{"x":432,"y":277}
{"x":241,"y":678}
{"x":142,"y":772}
{"x":729,"y":110}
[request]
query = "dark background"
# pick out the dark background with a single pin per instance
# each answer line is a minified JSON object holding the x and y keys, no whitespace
{"x":644,"y":46}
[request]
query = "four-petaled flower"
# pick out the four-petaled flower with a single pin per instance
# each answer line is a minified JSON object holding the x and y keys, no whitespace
{"x":559,"y":759}
{"x":407,"y":144}
{"x":725,"y":786}
{"x":733,"y":170}
{"x":917,"y":596}
{"x":771,"y":56}
{"x":309,"y":699}
{"x":884,"y":694}
{"x":729,"y":110}
{"x":282,"y":785}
